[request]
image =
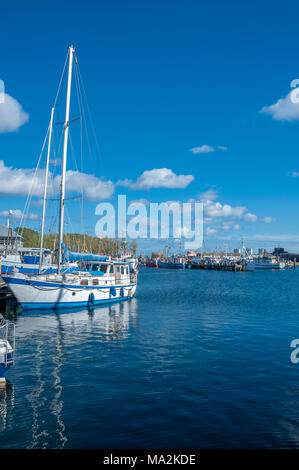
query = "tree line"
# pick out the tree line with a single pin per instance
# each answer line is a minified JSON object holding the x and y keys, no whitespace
{"x":78,"y":242}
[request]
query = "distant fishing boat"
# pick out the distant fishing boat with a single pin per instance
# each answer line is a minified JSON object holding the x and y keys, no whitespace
{"x":267,"y":262}
{"x":152,"y":264}
{"x":175,"y":262}
{"x":105,"y":281}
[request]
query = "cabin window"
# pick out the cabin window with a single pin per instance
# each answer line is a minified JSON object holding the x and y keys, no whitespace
{"x":117,"y":269}
{"x":84,"y":282}
{"x":111,"y":268}
{"x":122,"y":270}
{"x":95,"y":282}
{"x":103,"y":268}
{"x":95,"y":267}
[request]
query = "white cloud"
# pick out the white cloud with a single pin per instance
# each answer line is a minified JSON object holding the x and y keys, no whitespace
{"x":295,"y":174}
{"x":19,"y":181}
{"x":210,"y":194}
{"x":126,"y":183}
{"x":283,"y":110}
{"x":207,"y":149}
{"x":268,"y":220}
{"x":250,"y":217}
{"x":216,"y":209}
{"x":93,"y":188}
{"x":213,"y":210}
{"x":12,"y":115}
{"x":17,"y":214}
{"x":202,"y":149}
{"x":158,"y":178}
{"x":211,"y":231}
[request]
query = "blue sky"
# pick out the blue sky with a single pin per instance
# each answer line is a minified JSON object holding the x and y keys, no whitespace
{"x":163,"y":77}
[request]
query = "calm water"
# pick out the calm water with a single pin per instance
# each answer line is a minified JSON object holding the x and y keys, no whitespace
{"x":197,"y":359}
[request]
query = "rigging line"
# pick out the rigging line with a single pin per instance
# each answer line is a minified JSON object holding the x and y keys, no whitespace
{"x":90,"y":115}
{"x":51,"y":179}
{"x":51,"y":183}
{"x":85,"y":124}
{"x":82,"y":108}
{"x":81,"y":185}
{"x":83,"y":113}
{"x":80,"y":113}
{"x":81,"y":139}
{"x":63,"y":70}
{"x":29,"y":196}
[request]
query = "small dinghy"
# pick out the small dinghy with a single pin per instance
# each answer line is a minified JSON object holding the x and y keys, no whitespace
{"x":7,"y":347}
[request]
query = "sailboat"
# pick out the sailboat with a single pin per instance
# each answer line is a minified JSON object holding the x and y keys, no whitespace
{"x":107,"y":280}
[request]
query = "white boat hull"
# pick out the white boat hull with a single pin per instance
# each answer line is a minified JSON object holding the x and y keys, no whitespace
{"x":269,"y":266}
{"x":34,"y":294}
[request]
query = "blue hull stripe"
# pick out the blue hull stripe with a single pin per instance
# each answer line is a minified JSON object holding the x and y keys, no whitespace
{"x":70,"y":304}
{"x":12,"y":280}
{"x":23,"y":270}
{"x":3,"y":371}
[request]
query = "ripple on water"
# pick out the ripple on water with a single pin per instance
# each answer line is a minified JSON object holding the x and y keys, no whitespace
{"x":197,"y":359}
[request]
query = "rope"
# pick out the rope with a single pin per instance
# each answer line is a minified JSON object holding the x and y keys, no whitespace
{"x":69,"y":289}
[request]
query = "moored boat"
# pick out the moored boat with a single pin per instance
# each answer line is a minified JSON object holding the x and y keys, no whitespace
{"x":104,"y":281}
{"x":267,"y":262}
{"x":175,"y":262}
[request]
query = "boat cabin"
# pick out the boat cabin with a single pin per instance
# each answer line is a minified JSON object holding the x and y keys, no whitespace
{"x":110,"y":273}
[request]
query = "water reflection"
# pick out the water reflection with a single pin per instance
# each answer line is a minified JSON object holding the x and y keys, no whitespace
{"x":56,"y":406}
{"x":48,"y":344}
{"x":7,"y":399}
{"x":36,"y":400}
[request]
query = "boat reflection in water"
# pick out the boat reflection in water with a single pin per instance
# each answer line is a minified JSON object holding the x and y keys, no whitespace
{"x":7,"y":399}
{"x":56,"y":348}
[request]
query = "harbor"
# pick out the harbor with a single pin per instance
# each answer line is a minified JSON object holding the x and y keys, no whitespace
{"x":240,"y":260}
{"x":149,"y":244}
{"x":157,"y":361}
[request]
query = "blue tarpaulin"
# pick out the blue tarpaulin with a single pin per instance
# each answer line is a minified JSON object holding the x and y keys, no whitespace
{"x":69,"y":256}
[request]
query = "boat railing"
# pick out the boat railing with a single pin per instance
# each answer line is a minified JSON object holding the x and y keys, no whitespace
{"x":7,"y":342}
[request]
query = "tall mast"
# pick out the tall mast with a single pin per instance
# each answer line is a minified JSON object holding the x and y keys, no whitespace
{"x":64,"y":156}
{"x":45,"y":192}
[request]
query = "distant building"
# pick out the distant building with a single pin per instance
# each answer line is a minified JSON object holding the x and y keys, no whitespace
{"x":249,"y":251}
{"x":262,"y":251}
{"x":281,"y":253}
{"x":9,"y":238}
{"x":237,"y":251}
